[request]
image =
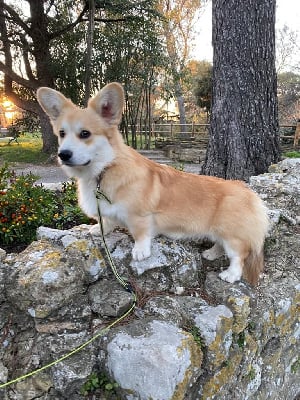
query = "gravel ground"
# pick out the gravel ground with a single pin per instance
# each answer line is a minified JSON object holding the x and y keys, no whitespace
{"x":47,"y":173}
{"x":55,"y":174}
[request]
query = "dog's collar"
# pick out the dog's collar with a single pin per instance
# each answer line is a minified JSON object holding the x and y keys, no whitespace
{"x":100,"y":178}
{"x":99,"y":194}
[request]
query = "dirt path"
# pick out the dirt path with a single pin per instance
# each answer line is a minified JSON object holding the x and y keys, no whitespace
{"x":52,"y":173}
{"x":47,"y":173}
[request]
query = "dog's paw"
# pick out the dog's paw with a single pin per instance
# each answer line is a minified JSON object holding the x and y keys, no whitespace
{"x":213,"y":253}
{"x":95,"y":230}
{"x":230,"y":276}
{"x":140,"y":251}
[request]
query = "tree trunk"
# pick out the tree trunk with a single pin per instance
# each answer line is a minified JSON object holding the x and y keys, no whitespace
{"x":49,"y":139}
{"x":181,"y":110}
{"x":244,"y":133}
{"x":89,"y":51}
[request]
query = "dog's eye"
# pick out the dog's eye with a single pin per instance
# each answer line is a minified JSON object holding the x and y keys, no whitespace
{"x":84,"y":134}
{"x":61,"y":133}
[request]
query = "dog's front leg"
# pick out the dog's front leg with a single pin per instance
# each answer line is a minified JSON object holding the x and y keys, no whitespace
{"x":214,"y":252}
{"x":141,"y":249}
{"x":141,"y":230}
{"x":109,"y":224}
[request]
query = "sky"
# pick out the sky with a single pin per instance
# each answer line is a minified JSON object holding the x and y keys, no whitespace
{"x":287,"y":13}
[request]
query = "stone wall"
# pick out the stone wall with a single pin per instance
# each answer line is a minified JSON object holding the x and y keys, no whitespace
{"x":191,"y":336}
{"x":190,"y":154}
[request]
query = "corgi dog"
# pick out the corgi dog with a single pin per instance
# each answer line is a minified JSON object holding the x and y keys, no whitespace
{"x":149,"y":198}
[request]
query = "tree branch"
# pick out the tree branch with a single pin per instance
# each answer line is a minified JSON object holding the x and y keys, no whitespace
{"x":15,"y":18}
{"x":68,"y":27}
{"x":34,"y":84}
{"x":27,"y":64}
{"x":28,"y":105}
{"x":110,"y":20}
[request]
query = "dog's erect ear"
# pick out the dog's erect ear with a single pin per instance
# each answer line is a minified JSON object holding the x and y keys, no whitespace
{"x":51,"y":101}
{"x":109,"y":102}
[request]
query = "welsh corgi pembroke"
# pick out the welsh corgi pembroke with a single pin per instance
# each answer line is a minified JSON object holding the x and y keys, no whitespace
{"x":149,"y":198}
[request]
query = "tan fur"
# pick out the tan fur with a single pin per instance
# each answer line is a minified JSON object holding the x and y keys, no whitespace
{"x":152,"y":199}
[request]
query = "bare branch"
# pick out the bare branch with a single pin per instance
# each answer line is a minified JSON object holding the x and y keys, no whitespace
{"x":30,"y":84}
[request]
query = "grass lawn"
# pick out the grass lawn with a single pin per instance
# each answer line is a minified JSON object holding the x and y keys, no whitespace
{"x":292,"y":154}
{"x":29,"y":150}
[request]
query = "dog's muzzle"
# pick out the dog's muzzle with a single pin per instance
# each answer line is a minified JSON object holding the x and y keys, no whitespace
{"x":65,"y":155}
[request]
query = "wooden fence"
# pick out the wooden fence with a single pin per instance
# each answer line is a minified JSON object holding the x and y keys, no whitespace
{"x":290,"y":132}
{"x":173,"y":132}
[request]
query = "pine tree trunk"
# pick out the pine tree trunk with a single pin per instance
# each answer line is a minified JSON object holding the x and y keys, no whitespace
{"x":244,"y":133}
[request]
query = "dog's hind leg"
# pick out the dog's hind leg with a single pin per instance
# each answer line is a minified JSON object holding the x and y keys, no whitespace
{"x":236,"y":256}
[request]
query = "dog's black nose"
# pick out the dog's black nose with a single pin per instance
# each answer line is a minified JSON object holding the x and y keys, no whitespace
{"x":65,"y":155}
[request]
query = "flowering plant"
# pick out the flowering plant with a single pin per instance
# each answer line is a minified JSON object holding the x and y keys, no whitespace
{"x":24,"y":206}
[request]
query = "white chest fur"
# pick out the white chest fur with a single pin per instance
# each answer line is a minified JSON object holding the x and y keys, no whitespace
{"x":89,"y":203}
{"x":87,"y":197}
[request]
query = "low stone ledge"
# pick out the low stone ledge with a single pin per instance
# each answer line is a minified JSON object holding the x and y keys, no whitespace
{"x":212,"y":340}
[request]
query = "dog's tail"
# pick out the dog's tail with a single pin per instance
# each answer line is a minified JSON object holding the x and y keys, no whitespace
{"x":253,"y":266}
{"x":254,"y":261}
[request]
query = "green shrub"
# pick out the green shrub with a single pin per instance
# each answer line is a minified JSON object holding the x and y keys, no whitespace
{"x":99,"y":382}
{"x":195,"y":332}
{"x":67,"y":212}
{"x":25,"y":206}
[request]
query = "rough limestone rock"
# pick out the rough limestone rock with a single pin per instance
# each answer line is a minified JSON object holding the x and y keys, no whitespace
{"x":161,"y":371}
{"x":191,"y":336}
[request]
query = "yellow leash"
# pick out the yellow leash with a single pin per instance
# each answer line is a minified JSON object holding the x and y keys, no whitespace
{"x":126,"y":286}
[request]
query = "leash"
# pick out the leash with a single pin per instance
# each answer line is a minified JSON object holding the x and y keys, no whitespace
{"x":126,"y":285}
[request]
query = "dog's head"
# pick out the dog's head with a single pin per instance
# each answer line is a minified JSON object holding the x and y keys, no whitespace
{"x":85,"y":136}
